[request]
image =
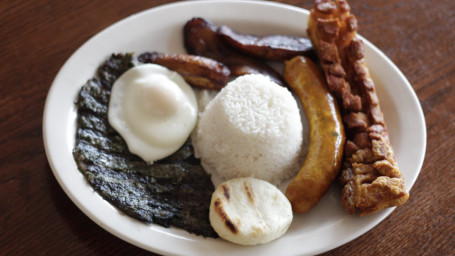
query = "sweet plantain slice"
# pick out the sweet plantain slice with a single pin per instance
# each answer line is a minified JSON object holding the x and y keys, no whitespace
{"x":327,"y":138}
{"x":198,"y":71}
{"x":201,"y":38}
{"x":270,"y":47}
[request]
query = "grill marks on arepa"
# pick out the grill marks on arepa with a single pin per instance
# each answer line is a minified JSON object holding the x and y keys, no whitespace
{"x":249,"y":211}
{"x":218,"y":207}
{"x":248,"y":193}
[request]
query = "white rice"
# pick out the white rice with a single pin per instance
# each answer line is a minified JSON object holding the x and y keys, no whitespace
{"x":252,"y":128}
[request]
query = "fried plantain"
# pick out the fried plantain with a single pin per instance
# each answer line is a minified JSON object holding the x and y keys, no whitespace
{"x":270,"y":47}
{"x":198,"y":71}
{"x":201,"y":38}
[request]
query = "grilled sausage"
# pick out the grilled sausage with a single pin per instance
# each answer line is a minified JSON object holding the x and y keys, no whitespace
{"x":327,"y":138}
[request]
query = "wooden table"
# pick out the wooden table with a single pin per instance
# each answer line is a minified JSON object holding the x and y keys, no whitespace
{"x":38,"y":218}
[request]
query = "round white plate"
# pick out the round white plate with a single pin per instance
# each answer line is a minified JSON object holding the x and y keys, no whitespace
{"x":325,"y":227}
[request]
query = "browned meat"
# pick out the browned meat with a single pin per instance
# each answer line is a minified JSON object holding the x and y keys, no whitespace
{"x":356,"y":121}
{"x":362,"y":140}
{"x":370,"y":177}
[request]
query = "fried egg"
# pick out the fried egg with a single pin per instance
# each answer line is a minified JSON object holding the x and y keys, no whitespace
{"x":153,"y":109}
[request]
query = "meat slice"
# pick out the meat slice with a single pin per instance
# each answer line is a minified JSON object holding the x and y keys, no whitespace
{"x":370,"y":177}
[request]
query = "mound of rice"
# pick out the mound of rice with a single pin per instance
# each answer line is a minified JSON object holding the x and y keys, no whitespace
{"x":252,"y":128}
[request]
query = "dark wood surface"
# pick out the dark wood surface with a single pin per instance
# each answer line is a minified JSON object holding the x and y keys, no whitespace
{"x":37,"y":37}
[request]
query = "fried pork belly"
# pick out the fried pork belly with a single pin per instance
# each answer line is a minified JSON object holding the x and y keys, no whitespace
{"x":370,"y":177}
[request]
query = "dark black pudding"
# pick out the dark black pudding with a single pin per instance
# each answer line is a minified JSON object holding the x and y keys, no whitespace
{"x":174,"y":191}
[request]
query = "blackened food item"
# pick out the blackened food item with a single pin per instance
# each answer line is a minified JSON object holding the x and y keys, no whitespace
{"x":198,"y":71}
{"x":270,"y":47}
{"x":201,"y":38}
{"x":174,"y":191}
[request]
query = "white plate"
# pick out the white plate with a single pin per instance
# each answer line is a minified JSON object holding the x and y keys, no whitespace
{"x":327,"y":226}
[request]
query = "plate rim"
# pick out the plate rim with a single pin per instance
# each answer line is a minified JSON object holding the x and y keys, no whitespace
{"x":75,"y":200}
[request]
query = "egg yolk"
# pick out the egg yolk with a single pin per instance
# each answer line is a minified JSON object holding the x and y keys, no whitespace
{"x":159,"y":96}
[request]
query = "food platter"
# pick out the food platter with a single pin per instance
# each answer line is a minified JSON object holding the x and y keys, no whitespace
{"x":325,"y":227}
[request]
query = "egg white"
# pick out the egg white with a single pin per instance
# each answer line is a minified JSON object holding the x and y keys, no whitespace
{"x":153,"y":109}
